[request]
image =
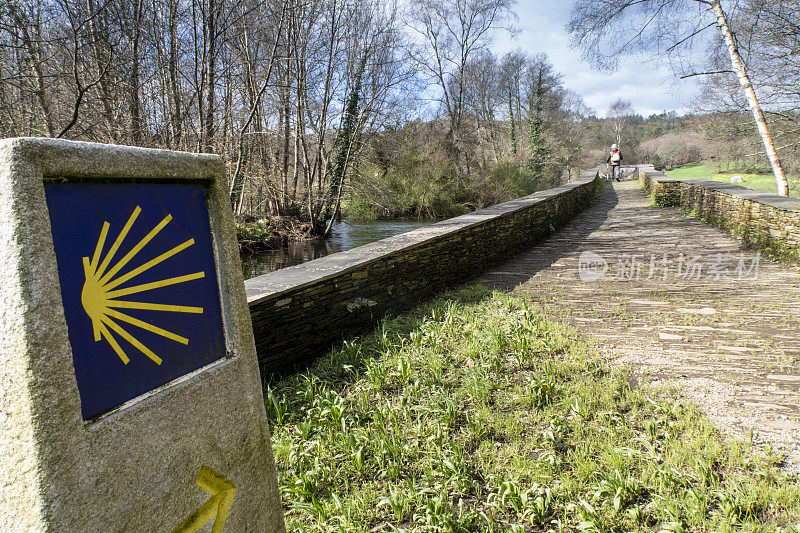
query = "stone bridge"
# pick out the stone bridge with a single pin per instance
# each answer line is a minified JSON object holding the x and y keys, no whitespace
{"x":676,"y":299}
{"x":680,"y":302}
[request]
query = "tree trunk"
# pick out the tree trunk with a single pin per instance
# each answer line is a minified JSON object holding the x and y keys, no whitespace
{"x":750,"y":94}
{"x":134,"y":102}
{"x":99,"y":26}
{"x":512,"y":131}
{"x":174,"y":79}
{"x":287,"y":133}
{"x":38,"y":72}
{"x":211,"y":56}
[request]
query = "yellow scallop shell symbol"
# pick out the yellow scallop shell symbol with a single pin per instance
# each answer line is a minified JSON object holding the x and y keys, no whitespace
{"x":100,"y":300}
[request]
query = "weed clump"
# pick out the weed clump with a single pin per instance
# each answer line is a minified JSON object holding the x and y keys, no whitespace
{"x":478,"y":413}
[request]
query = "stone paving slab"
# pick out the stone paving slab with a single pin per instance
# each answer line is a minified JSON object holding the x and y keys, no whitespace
{"x":673,"y":299}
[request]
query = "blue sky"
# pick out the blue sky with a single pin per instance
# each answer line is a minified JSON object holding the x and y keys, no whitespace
{"x":648,"y":83}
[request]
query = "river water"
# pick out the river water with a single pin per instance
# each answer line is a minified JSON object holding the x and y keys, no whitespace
{"x":345,"y":235}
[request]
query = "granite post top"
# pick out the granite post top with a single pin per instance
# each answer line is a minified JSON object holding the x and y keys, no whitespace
{"x":60,"y":157}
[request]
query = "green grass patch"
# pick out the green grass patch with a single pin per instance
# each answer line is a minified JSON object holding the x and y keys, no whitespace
{"x":478,"y":413}
{"x":690,"y":172}
{"x":761,"y":182}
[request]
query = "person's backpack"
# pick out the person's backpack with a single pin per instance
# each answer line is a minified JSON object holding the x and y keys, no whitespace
{"x":615,"y":156}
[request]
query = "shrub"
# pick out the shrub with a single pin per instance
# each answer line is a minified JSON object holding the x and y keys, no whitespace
{"x":657,"y":163}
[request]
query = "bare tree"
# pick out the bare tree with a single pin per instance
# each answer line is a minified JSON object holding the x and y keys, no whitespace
{"x":295,"y":95}
{"x":669,"y":27}
{"x":769,"y":33}
{"x":511,"y":71}
{"x":453,"y":32}
{"x":619,"y":115}
{"x":80,"y":38}
{"x":568,"y":140}
{"x":482,"y":96}
{"x":768,"y":36}
{"x":255,"y":103}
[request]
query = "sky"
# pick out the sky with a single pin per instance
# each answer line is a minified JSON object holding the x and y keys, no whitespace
{"x":648,"y":84}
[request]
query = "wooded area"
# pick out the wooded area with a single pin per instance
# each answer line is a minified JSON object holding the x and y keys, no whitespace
{"x":380,"y":108}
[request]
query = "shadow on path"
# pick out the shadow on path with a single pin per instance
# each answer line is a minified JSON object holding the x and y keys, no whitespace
{"x":519,"y":269}
{"x":678,"y":302}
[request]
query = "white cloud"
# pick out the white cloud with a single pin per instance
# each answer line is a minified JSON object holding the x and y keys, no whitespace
{"x":647,"y":83}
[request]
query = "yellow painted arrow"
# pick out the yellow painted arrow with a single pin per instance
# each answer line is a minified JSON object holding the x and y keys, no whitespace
{"x":222,"y":492}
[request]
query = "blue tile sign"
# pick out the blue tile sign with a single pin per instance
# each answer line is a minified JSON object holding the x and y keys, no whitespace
{"x":138,"y":285}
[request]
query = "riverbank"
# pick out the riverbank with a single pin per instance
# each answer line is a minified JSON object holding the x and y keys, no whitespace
{"x":479,"y":412}
{"x":265,"y":234}
{"x":345,"y":235}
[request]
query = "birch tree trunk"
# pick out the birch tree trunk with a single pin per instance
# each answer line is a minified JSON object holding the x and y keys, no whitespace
{"x":750,"y":94}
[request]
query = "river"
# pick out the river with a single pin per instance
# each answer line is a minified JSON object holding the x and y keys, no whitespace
{"x":345,"y":235}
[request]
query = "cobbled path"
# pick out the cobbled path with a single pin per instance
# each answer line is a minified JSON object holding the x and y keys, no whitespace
{"x":680,"y":303}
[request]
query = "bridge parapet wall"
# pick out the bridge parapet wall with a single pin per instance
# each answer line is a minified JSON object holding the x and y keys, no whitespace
{"x":300,"y":312}
{"x":761,"y":219}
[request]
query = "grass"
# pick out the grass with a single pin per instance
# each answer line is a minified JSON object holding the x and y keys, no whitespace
{"x":478,"y":413}
{"x":761,"y":182}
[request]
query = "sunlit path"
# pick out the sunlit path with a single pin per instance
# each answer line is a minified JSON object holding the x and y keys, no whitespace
{"x":732,"y":344}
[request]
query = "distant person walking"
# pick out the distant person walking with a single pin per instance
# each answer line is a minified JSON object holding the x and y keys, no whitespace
{"x":614,"y":161}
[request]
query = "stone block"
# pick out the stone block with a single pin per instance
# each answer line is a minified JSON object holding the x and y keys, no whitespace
{"x":763,"y":219}
{"x":130,"y":390}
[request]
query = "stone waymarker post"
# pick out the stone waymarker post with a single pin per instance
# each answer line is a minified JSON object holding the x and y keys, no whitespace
{"x":130,"y":395}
